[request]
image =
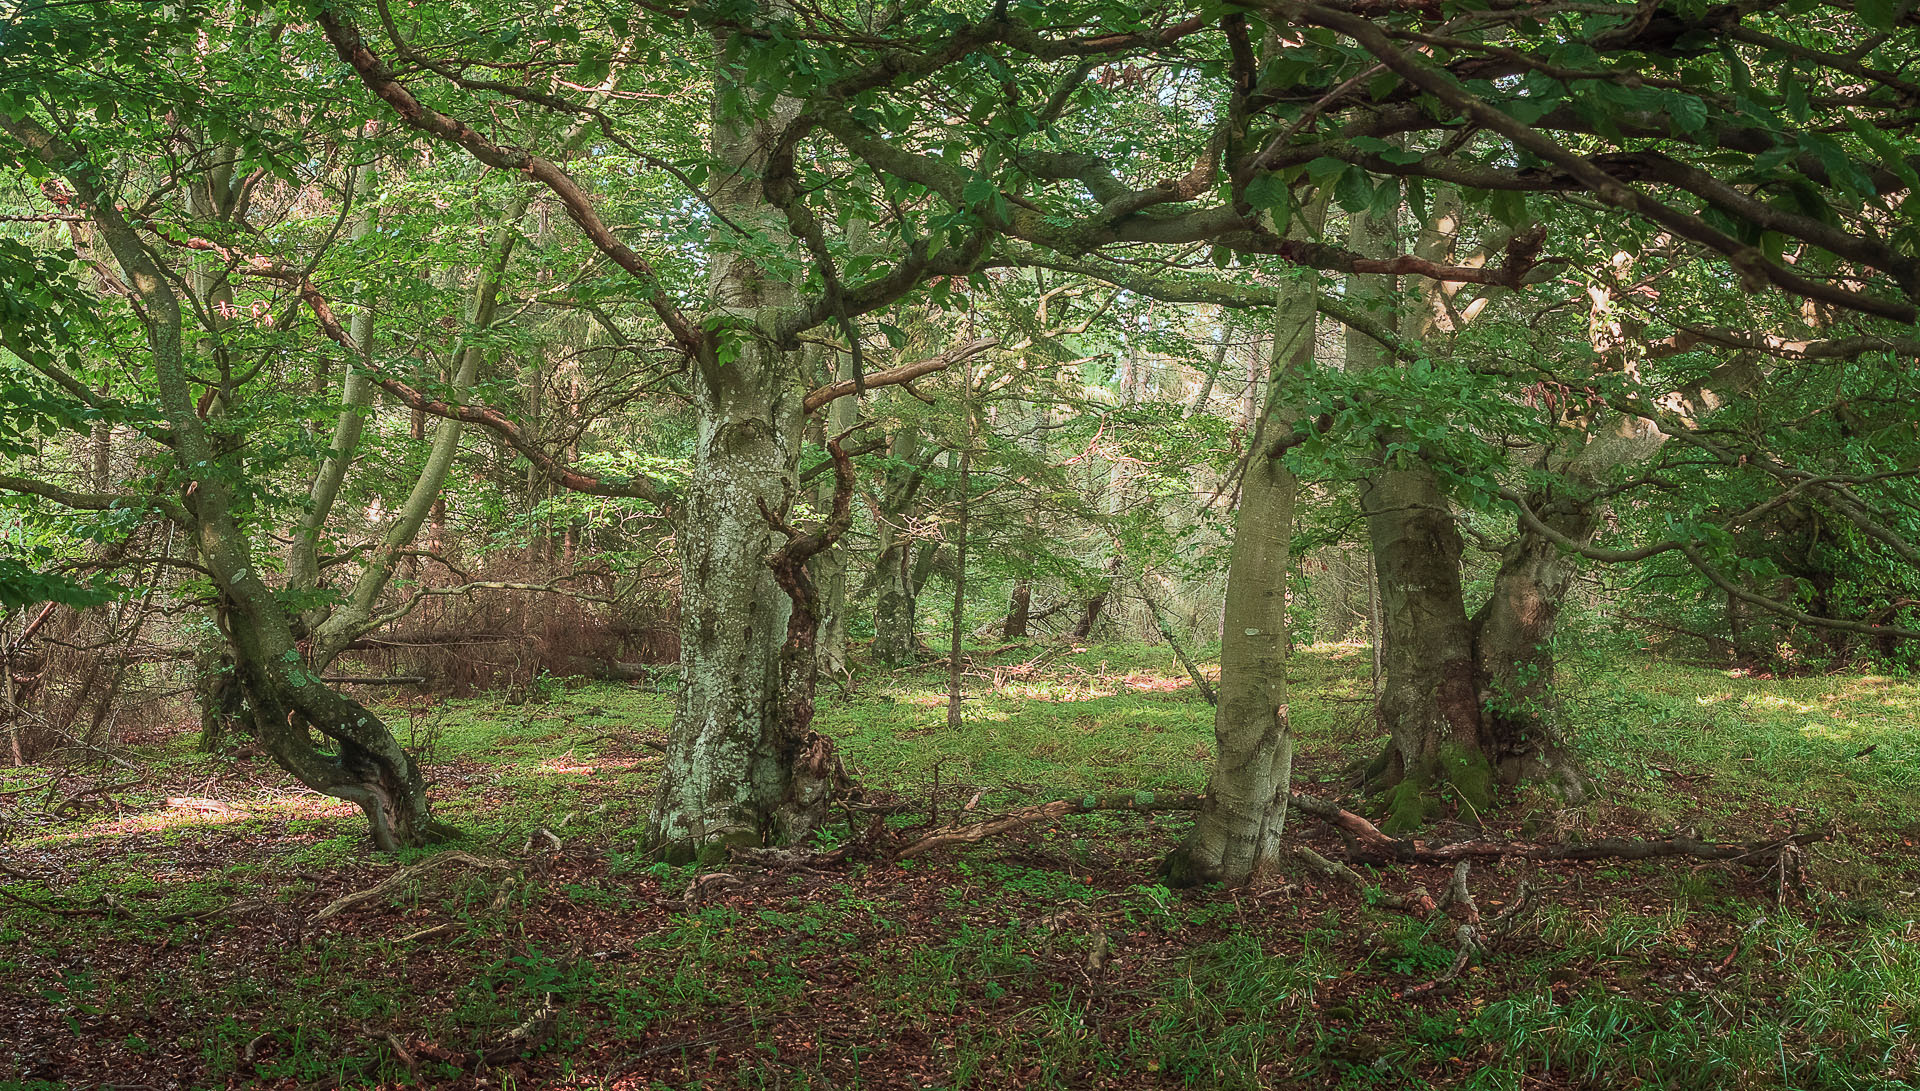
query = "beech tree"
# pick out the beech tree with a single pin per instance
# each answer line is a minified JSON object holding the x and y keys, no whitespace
{"x":1461,"y":93}
{"x":766,"y":192}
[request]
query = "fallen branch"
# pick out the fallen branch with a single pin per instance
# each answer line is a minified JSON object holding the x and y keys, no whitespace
{"x":1179,"y":650}
{"x":401,"y":878}
{"x":103,"y":791}
{"x":1143,"y":802}
{"x":61,"y":911}
{"x":375,"y":680}
{"x":1417,"y":901}
{"x":1466,"y":935}
{"x":1366,"y":841}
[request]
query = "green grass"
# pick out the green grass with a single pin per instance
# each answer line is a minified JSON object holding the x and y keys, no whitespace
{"x":1050,"y":959}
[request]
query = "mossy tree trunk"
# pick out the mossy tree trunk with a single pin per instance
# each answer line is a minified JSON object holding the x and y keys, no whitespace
{"x":729,"y":772}
{"x":1466,"y":700}
{"x":1514,"y":650}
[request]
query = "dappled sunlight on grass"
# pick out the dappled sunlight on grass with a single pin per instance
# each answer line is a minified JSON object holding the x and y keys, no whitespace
{"x":1764,"y":741}
{"x":178,"y":814}
{"x":995,"y":939}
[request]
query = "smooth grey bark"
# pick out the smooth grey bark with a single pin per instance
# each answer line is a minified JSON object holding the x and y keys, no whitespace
{"x":1236,"y":837}
{"x":358,"y":614}
{"x":356,"y":394}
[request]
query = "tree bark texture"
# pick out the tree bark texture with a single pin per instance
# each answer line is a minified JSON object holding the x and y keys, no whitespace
{"x":730,"y":766}
{"x":1236,"y":837}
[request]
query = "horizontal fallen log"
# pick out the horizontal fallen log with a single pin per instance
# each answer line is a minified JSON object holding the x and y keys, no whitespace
{"x":1368,"y":842}
{"x":1142,"y":802}
{"x":375,"y":679}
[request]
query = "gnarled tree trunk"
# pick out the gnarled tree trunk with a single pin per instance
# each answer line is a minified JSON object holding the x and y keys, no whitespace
{"x":1514,"y":648}
{"x":729,"y":773}
{"x":1429,"y":701}
{"x":285,"y":701}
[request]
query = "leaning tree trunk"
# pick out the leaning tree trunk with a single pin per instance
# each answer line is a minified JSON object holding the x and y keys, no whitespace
{"x":367,"y":765}
{"x":1236,"y":838}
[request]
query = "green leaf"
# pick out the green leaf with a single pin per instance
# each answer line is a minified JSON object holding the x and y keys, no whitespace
{"x":1509,"y":207}
{"x":1877,"y":14}
{"x":1354,"y":190}
{"x":1325,"y":168}
{"x":1689,"y":112}
{"x":1267,"y":191}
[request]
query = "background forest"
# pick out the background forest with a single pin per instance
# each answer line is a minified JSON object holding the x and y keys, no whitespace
{"x":1008,"y":544}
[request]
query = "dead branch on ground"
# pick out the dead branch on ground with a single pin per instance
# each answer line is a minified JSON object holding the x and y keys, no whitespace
{"x":1365,"y":841}
{"x":401,"y":878}
{"x":1143,"y":802}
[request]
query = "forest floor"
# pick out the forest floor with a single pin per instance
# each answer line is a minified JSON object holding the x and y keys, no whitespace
{"x":162,"y":926}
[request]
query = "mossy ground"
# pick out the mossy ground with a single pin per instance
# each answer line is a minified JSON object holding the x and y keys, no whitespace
{"x":1046,"y":959}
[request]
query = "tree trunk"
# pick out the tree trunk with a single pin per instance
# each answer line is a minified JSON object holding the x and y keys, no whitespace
{"x":896,"y":590}
{"x":368,"y":766}
{"x":828,"y":568}
{"x":956,"y":672}
{"x":1429,"y":697}
{"x":893,"y":603}
{"x":730,"y":765}
{"x":1083,"y":629}
{"x":1514,"y":653}
{"x":1236,"y":837}
{"x":726,"y":776}
{"x":357,"y":615}
{"x":303,"y":558}
{"x":1019,"y":611}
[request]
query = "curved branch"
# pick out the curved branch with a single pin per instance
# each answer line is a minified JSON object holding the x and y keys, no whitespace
{"x":1746,"y":260}
{"x":894,"y":376}
{"x":91,"y":501}
{"x":373,"y":72}
{"x":639,"y":488}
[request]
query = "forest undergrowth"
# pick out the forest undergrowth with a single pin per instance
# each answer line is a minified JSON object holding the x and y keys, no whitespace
{"x":171,"y":919}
